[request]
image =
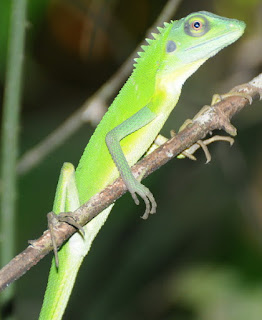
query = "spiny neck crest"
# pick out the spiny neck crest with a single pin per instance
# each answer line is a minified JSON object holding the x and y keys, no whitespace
{"x":156,"y":36}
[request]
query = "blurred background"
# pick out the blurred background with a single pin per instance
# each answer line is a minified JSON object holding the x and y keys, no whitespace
{"x":200,"y":256}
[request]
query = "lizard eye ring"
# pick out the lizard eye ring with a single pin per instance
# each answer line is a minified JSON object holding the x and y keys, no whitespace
{"x":196,"y":26}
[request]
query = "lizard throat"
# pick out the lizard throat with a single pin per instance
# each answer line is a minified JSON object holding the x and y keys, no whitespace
{"x":172,"y":82}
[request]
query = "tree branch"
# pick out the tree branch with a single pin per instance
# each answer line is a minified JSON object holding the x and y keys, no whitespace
{"x":216,"y":117}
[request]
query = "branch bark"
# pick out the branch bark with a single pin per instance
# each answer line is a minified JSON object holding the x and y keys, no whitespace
{"x":216,"y":117}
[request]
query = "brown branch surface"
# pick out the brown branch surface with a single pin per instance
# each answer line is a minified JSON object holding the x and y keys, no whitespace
{"x":216,"y":117}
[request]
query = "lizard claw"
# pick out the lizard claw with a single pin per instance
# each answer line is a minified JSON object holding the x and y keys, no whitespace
{"x":53,"y":221}
{"x":69,"y":219}
{"x":148,"y":198}
{"x":135,"y":198}
{"x":218,"y":97}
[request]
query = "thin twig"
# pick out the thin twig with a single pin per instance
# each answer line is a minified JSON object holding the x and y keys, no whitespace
{"x":10,"y":125}
{"x":216,"y":117}
{"x":93,"y":109}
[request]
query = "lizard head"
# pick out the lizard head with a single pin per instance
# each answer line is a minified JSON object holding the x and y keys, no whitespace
{"x":189,"y":42}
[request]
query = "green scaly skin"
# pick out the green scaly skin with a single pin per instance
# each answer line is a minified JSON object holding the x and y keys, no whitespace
{"x":135,"y":118}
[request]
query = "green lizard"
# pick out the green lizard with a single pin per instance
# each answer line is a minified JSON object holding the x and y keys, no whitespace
{"x":128,"y":129}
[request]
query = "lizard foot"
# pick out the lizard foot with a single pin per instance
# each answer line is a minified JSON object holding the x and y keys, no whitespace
{"x":203,"y":144}
{"x":137,"y":188}
{"x":53,"y":221}
{"x":68,"y":218}
{"x":235,"y":92}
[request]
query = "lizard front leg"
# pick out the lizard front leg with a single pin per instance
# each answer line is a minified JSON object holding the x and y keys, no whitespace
{"x":113,"y":138}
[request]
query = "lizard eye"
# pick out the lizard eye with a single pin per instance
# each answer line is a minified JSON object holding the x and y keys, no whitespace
{"x":196,"y":26}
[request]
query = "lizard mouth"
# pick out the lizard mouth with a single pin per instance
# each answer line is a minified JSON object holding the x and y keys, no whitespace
{"x":232,"y":39}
